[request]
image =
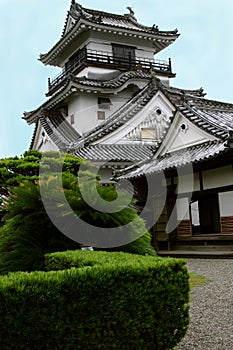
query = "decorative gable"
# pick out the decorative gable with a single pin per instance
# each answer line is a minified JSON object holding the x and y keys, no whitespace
{"x":149,"y":124}
{"x":70,"y":22}
{"x":152,"y":128}
{"x":183,"y":134}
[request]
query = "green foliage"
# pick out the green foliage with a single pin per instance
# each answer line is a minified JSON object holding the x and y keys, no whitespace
{"x":75,"y":258}
{"x":140,"y":246}
{"x":111,"y":301}
{"x":14,"y":169}
{"x":28,"y":232}
{"x":26,"y":167}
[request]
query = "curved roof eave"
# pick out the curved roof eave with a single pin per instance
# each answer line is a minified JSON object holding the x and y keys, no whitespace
{"x":178,"y":159}
{"x":73,"y":85}
{"x":161,"y":38}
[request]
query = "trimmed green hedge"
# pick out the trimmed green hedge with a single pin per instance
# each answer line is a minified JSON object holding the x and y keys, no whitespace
{"x":111,"y":301}
{"x":79,"y":258}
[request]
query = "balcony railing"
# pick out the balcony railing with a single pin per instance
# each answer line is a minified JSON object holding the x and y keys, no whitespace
{"x":104,"y":59}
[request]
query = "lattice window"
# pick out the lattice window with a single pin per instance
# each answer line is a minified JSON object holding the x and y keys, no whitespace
{"x":148,"y":133}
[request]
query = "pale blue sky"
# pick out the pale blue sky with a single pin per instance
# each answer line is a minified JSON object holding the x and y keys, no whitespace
{"x":201,"y":57}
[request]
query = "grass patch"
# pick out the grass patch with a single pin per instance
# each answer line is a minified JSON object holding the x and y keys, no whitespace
{"x":196,"y":280}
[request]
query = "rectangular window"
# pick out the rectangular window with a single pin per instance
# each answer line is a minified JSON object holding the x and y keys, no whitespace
{"x":123,"y":55}
{"x":72,"y":119}
{"x":195,"y":217}
{"x":148,"y":133}
{"x":104,"y":102}
{"x":100,"y":115}
{"x":74,"y":60}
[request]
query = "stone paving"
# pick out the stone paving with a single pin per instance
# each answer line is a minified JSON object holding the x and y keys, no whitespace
{"x":211,"y":307}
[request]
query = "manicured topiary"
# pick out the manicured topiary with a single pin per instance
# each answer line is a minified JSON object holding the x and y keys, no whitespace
{"x":109,"y":301}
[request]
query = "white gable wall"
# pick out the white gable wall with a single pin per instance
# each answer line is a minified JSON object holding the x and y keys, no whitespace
{"x":42,"y":141}
{"x":120,"y":135}
{"x":183,"y":134}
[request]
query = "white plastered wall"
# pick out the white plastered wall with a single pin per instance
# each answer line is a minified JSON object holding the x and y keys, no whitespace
{"x":84,"y":108}
{"x":218,"y":177}
{"x":42,"y":141}
{"x":226,"y":203}
{"x":103,"y":45}
{"x":187,"y":183}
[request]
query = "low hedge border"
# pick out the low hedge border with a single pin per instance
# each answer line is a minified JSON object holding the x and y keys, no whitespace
{"x":107,"y":301}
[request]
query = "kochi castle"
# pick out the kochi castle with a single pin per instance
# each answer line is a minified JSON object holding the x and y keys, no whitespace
{"x":113,"y":103}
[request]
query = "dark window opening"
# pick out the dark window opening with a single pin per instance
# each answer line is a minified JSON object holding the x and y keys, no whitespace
{"x":123,"y":54}
{"x":104,"y":102}
{"x":74,"y":60}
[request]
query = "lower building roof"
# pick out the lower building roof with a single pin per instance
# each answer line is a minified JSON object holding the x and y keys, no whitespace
{"x":117,"y":152}
{"x":190,"y":155}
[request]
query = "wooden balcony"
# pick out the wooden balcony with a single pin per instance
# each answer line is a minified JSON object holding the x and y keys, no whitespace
{"x":86,"y":57}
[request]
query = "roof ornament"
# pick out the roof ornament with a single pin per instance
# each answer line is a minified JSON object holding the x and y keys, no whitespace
{"x":131,"y":11}
{"x":152,"y":73}
{"x":155,"y":28}
{"x":97,"y":18}
{"x":77,"y":11}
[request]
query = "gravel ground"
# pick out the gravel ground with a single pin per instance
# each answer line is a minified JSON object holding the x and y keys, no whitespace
{"x":211,"y":307}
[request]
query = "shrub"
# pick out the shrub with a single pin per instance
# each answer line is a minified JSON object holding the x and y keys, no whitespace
{"x":74,"y":258}
{"x":112,"y":301}
{"x":28,"y":233}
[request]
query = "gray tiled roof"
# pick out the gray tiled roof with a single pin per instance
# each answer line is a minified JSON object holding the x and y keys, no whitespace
{"x":72,"y":84}
{"x":111,"y":83}
{"x":122,"y":115}
{"x":179,"y":158}
{"x":59,"y":130}
{"x":117,"y":152}
{"x":126,"y":21}
{"x":215,"y":117}
{"x":86,"y":19}
{"x":211,"y":116}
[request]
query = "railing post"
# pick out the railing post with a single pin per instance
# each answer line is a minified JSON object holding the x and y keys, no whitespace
{"x":170,"y":64}
{"x":130,"y":60}
{"x":85,"y":54}
{"x":49,"y":84}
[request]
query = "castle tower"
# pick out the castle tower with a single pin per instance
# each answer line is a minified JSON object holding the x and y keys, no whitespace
{"x":106,"y":61}
{"x":112,"y":103}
